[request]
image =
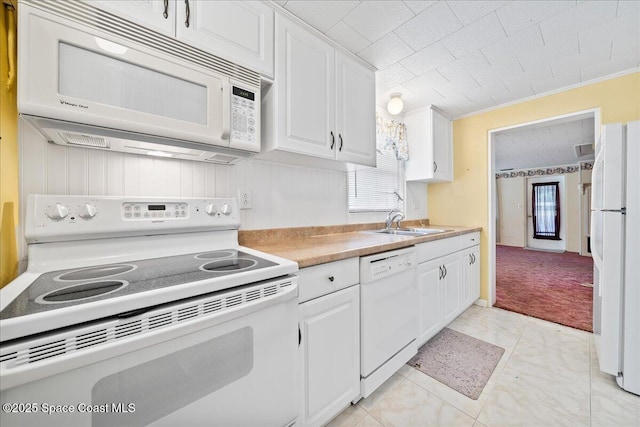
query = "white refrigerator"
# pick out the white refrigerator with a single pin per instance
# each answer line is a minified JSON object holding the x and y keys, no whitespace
{"x":615,"y":247}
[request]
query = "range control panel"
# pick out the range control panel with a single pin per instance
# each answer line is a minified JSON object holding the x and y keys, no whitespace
{"x":142,"y":211}
{"x":61,"y":218}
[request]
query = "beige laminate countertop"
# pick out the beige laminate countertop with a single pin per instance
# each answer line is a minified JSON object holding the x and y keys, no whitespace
{"x":307,"y":249}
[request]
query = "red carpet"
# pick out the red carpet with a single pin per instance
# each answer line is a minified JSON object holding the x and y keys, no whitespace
{"x":545,"y":285}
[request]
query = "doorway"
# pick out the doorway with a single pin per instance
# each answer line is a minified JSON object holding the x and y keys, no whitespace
{"x":574,"y":234}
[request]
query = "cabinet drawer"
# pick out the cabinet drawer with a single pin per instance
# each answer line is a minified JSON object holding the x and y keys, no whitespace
{"x":431,"y":250}
{"x":326,"y":278}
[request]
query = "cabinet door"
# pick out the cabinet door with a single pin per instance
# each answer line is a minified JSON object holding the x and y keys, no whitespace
{"x":430,"y":140}
{"x":329,"y":355}
{"x":305,"y":91}
{"x":429,"y":314}
{"x":240,"y":31}
{"x":149,"y":13}
{"x":420,"y":165}
{"x":471,"y":276}
{"x":355,"y":112}
{"x":442,"y":147}
{"x":450,"y":287}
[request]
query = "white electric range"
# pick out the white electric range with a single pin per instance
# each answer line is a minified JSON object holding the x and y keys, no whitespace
{"x":146,"y":311}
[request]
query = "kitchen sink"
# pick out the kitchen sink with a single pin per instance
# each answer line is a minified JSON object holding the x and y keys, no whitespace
{"x":411,"y":231}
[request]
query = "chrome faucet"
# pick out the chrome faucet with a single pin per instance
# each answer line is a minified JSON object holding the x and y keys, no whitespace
{"x":396,"y":216}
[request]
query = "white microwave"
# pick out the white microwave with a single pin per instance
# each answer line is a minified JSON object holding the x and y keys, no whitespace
{"x":89,"y":78}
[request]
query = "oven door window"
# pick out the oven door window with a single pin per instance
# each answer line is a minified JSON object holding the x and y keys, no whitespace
{"x":169,"y":383}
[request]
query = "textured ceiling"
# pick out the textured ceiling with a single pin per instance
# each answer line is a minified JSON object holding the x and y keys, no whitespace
{"x":466,"y":56}
{"x":541,"y":145}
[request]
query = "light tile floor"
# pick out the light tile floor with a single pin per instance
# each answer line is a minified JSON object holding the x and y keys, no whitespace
{"x":548,"y":376}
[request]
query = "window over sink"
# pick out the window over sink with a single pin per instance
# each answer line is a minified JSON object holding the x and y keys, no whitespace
{"x":378,"y":189}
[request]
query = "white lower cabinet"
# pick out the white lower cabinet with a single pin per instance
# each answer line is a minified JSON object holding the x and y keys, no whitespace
{"x":330,"y":355}
{"x":448,"y":281}
{"x":329,"y":349}
{"x":451,"y":287}
{"x":429,"y":317}
{"x":471,"y":276}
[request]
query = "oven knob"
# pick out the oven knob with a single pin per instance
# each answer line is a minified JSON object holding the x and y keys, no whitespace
{"x":226,"y":209}
{"x":57,"y":212}
{"x":211,"y":209}
{"x":87,"y":211}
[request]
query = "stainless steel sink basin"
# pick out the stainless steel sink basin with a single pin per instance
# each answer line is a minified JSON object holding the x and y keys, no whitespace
{"x":410,"y":231}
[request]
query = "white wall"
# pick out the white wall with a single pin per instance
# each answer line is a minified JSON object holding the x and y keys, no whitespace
{"x":572,"y":212}
{"x":283,"y":195}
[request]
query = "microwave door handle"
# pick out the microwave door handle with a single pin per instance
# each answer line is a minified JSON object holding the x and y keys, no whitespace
{"x":226,"y":109}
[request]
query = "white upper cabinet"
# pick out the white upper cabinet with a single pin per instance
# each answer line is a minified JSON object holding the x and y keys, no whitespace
{"x":430,"y":139}
{"x":324,"y":100}
{"x":238,"y":30}
{"x":355,"y":112}
{"x":305,"y":91}
{"x":158,"y":15}
{"x":241,"y":32}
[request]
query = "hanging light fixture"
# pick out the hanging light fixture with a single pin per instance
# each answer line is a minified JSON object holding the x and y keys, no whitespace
{"x":395,"y":104}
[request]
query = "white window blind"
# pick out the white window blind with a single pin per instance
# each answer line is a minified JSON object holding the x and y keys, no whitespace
{"x":376,"y":189}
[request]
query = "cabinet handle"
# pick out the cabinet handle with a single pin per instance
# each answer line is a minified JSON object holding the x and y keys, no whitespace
{"x":331,"y":278}
{"x":445,"y":271}
{"x":166,"y":9}
{"x":299,"y":335}
{"x":340,"y":137}
{"x":474,"y":258}
{"x":333,"y":140}
{"x":440,"y":275}
{"x":470,"y":259}
{"x":435,"y":167}
{"x":188,"y":13}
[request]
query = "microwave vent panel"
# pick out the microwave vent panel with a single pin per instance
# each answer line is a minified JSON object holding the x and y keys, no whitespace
{"x":222,"y":158}
{"x":85,"y":140}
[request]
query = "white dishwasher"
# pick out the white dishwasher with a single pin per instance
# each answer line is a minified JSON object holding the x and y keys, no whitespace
{"x":388,"y":315}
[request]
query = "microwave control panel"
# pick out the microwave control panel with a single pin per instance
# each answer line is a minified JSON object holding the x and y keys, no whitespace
{"x":244,"y":117}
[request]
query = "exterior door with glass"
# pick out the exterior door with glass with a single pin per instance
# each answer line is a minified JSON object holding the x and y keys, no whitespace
{"x":545,"y":208}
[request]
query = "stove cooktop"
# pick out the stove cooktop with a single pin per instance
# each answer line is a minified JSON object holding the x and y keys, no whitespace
{"x":65,"y":288}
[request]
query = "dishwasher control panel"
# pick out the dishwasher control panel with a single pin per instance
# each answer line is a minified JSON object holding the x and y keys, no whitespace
{"x":385,"y":264}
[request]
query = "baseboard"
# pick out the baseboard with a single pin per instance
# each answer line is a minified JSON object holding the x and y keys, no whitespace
{"x":558,"y":251}
{"x":481,"y":302}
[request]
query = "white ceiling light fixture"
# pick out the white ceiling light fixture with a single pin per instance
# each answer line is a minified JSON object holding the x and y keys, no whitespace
{"x":395,"y":104}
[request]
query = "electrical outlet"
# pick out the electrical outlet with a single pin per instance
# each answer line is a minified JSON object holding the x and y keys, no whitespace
{"x":244,"y":198}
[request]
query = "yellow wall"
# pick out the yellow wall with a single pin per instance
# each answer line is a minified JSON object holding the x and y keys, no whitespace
{"x":8,"y":151}
{"x":465,"y":200}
